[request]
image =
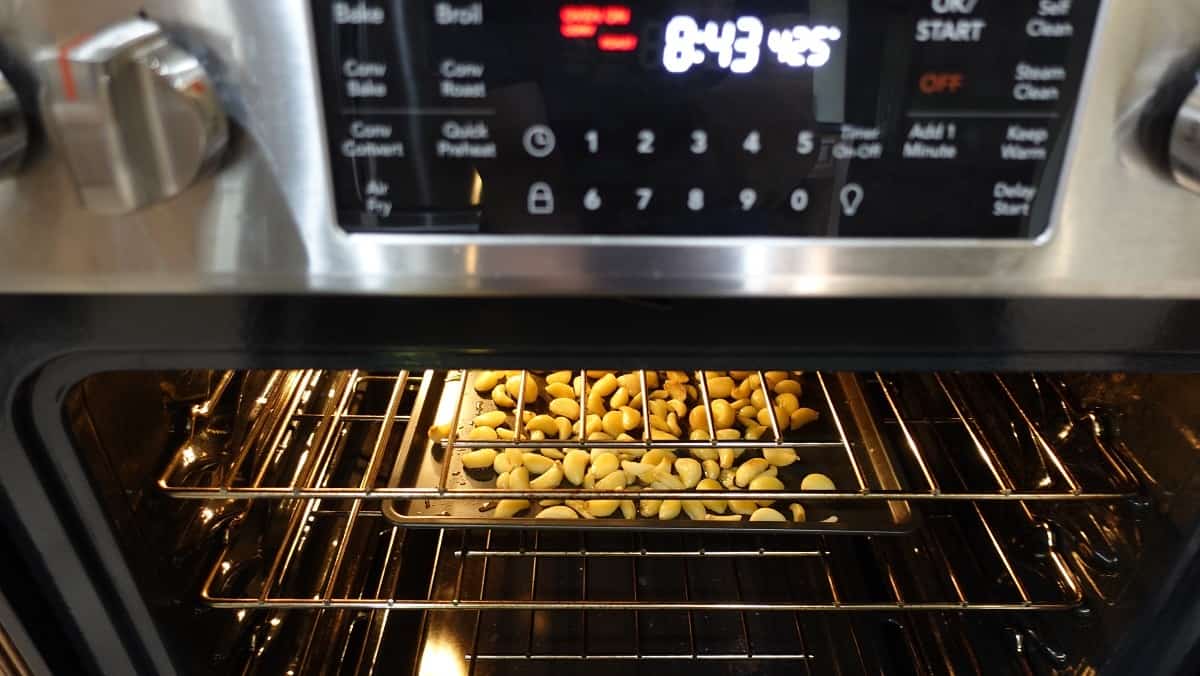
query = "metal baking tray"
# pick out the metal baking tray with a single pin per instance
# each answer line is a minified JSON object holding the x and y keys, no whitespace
{"x":844,"y":444}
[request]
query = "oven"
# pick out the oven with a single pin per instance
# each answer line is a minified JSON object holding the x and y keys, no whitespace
{"x":489,"y":337}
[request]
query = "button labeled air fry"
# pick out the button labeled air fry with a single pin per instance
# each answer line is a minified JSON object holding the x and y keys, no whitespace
{"x":942,"y":83}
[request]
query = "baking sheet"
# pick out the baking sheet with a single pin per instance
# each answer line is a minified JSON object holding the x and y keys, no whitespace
{"x":419,"y":463}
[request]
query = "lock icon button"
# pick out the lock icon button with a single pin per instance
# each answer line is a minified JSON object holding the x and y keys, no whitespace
{"x":541,"y":199}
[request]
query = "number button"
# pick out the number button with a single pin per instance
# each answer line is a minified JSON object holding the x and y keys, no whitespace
{"x":748,"y":198}
{"x":799,"y":200}
{"x":593,"y":141}
{"x":644,"y":195}
{"x":805,"y":143}
{"x":645,"y":145}
{"x":695,"y":199}
{"x":592,"y":200}
{"x":753,"y":143}
{"x":699,"y":142}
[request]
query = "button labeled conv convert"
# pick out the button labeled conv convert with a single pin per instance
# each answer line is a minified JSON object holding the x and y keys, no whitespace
{"x":539,"y":141}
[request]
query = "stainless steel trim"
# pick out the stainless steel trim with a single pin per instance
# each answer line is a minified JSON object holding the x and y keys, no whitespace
{"x":1119,"y":230}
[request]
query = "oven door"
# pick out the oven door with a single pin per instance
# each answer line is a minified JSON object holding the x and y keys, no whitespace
{"x":107,"y":404}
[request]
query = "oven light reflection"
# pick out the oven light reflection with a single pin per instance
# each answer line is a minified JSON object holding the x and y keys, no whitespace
{"x":441,"y":659}
{"x":189,"y":456}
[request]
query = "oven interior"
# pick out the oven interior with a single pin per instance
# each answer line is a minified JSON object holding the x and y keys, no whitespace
{"x":323,"y":521}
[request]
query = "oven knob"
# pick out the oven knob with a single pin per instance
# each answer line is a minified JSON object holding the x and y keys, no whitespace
{"x":134,"y":115}
{"x":1185,"y":142}
{"x":14,"y":135}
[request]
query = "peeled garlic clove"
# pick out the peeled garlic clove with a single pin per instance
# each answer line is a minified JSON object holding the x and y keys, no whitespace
{"x":561,"y":377}
{"x":502,"y":480}
{"x":649,"y":508}
{"x":438,"y":432}
{"x":567,"y":408}
{"x":762,"y":482}
{"x":605,"y":464}
{"x":537,"y":463}
{"x":669,"y":510}
{"x":817,"y":482}
{"x":482,"y":434}
{"x":516,"y":457}
{"x":726,"y":478}
{"x":552,"y":453}
{"x":487,"y":380}
{"x":628,"y":509}
{"x":611,"y":423}
{"x":746,"y":507}
{"x":798,"y":514}
{"x":767,"y":514}
{"x":788,"y":386}
{"x":603,"y":508}
{"x":716,"y":505}
{"x":479,"y":459}
{"x":551,"y":478}
{"x":518,"y":479}
{"x":801,"y":417}
{"x":558,"y":512}
{"x":580,"y":506}
{"x":689,"y":471}
{"x":500,"y":464}
{"x":694,"y":509}
{"x":641,"y":469}
{"x":564,"y":427}
{"x":711,"y":469}
{"x":508,"y":508}
{"x":575,"y":466}
{"x":780,"y":457}
{"x":491,"y":419}
{"x":720,"y":388}
{"x":612,"y":482}
{"x":750,"y":469}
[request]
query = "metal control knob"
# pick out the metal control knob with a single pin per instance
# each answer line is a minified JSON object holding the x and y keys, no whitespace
{"x":14,"y":135}
{"x":135,"y":116}
{"x":1185,"y":142}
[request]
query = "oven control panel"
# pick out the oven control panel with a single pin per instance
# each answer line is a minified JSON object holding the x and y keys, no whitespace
{"x":807,"y":118}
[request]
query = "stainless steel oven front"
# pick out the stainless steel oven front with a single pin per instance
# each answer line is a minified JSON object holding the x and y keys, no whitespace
{"x":486,"y":336}
{"x":1028,"y":149}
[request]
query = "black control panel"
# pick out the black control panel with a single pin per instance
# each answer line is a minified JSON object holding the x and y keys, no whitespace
{"x":818,"y":118}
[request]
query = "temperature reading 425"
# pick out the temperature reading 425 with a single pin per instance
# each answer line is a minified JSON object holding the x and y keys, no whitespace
{"x":737,"y":46}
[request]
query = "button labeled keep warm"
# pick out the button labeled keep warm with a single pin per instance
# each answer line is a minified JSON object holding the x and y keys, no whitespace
{"x":942,"y":83}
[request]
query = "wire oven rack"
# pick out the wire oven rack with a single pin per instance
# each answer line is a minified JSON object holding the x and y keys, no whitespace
{"x":337,"y":434}
{"x":333,"y":557}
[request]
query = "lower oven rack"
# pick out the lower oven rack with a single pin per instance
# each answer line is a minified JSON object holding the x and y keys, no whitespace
{"x":340,"y":557}
{"x":302,"y":421}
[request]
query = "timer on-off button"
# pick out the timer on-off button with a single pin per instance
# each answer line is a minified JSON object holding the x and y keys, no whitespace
{"x":539,"y":141}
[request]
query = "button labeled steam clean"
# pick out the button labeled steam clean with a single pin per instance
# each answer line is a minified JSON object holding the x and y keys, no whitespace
{"x":541,"y":199}
{"x":852,"y":198}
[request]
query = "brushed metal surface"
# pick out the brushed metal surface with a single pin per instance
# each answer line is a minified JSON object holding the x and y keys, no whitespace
{"x":264,"y":222}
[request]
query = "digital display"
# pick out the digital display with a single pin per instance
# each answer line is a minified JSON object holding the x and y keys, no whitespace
{"x":820,"y":118}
